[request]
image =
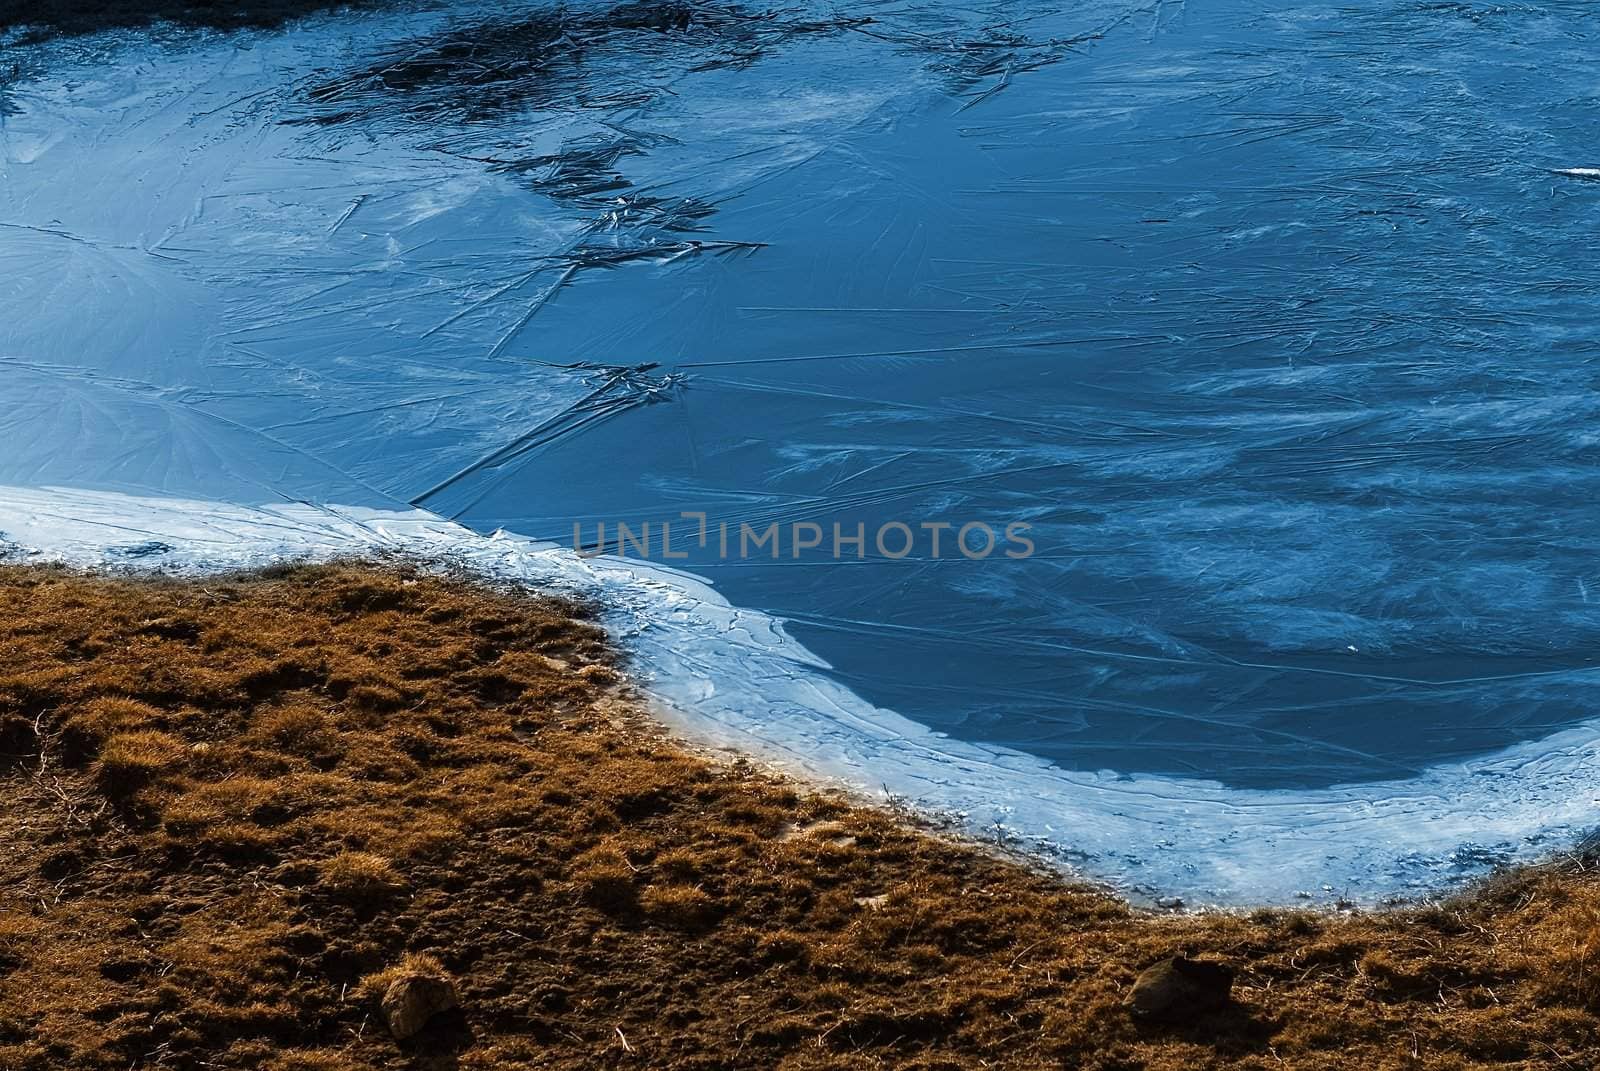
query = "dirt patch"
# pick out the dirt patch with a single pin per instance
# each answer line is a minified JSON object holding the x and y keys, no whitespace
{"x":238,"y":810}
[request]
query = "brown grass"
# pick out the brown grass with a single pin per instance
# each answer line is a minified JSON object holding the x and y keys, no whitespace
{"x":235,"y":809}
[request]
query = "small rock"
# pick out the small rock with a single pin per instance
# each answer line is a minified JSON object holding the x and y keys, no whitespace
{"x":1179,"y":989}
{"x":414,"y":999}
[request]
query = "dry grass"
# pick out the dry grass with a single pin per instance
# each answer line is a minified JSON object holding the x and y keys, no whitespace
{"x":235,"y":810}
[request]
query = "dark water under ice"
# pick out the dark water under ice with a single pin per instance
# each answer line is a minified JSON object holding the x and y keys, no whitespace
{"x":1275,"y":322}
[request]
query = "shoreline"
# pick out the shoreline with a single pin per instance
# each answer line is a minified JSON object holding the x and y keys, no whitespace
{"x":727,"y":676}
{"x":239,"y":804}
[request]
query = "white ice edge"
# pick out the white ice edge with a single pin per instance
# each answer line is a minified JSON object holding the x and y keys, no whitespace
{"x":732,"y":677}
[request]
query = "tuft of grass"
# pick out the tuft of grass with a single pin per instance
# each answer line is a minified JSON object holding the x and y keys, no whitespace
{"x":606,"y":880}
{"x":132,"y":760}
{"x":301,"y":730}
{"x":360,"y":876}
{"x":86,"y":729}
{"x":684,"y":907}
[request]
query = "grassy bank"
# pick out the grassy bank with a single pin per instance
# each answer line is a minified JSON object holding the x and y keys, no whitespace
{"x":235,"y":809}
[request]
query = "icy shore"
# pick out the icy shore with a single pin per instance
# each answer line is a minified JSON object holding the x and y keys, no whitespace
{"x":732,"y":677}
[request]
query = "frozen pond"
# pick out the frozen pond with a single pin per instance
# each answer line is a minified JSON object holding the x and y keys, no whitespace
{"x":1275,"y":324}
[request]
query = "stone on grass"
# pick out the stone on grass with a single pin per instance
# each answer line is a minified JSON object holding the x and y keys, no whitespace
{"x":1179,"y":989}
{"x":413,"y":999}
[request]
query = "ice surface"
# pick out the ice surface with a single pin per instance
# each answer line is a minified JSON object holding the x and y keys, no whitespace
{"x":1276,"y":324}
